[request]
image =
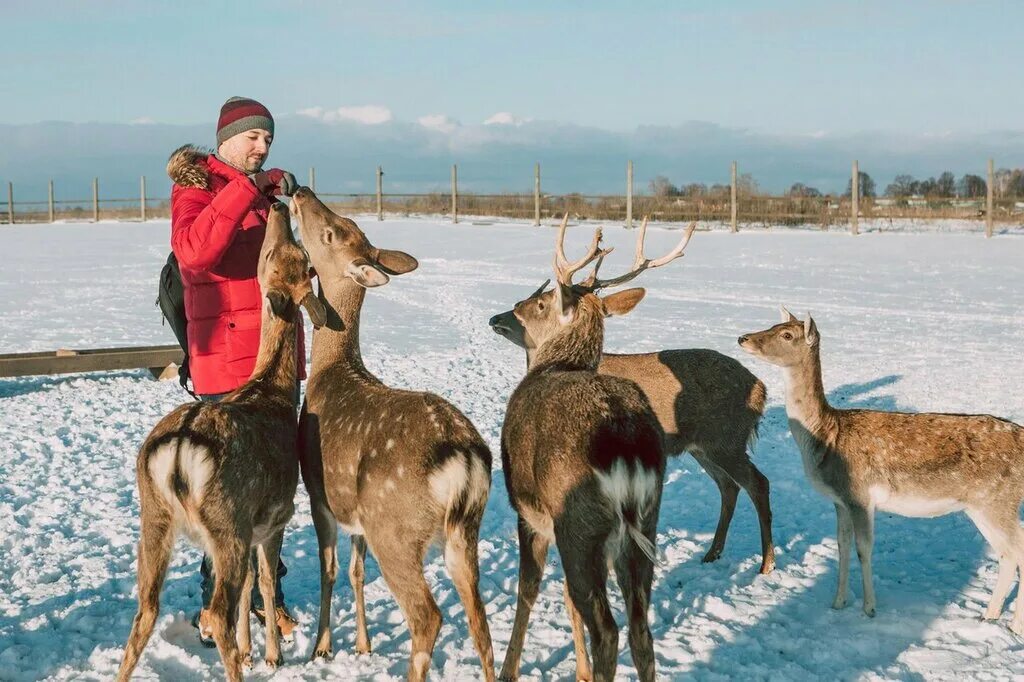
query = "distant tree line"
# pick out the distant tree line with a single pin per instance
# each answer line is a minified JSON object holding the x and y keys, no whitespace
{"x":1009,"y":183}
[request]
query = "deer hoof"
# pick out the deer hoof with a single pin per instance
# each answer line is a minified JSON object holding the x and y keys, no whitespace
{"x":869,"y":611}
{"x":712,"y":555}
{"x":273,"y":663}
{"x":1017,"y":627}
{"x":839,"y":603}
{"x":247,"y":661}
{"x":322,"y":653}
{"x":363,"y":648}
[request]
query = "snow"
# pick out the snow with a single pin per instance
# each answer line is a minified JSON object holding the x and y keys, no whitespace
{"x":923,"y":319}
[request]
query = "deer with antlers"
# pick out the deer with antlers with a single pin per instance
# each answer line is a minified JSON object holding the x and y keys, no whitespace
{"x":708,"y":404}
{"x":584,"y":466}
{"x":226,"y":472}
{"x":399,"y":470}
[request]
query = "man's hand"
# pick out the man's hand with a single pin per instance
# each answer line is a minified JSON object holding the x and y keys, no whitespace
{"x":275,"y":182}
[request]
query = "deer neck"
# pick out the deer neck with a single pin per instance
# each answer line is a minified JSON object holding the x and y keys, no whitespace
{"x":577,"y":346}
{"x":805,"y":395}
{"x":337,"y":342}
{"x":276,"y":362}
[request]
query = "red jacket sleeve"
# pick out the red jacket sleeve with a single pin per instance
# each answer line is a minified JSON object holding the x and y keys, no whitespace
{"x":203,"y":226}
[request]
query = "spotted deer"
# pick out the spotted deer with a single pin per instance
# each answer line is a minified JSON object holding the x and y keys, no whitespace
{"x":584,"y":466}
{"x":225,"y":473}
{"x":399,"y":470}
{"x":708,"y":404}
{"x":918,"y":465}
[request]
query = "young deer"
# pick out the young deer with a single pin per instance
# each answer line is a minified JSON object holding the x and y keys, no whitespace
{"x":583,"y":463}
{"x":398,"y":469}
{"x":919,"y":465}
{"x":708,"y":404}
{"x":225,"y":473}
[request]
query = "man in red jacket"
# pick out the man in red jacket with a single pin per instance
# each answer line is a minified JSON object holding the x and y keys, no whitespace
{"x":219,"y":208}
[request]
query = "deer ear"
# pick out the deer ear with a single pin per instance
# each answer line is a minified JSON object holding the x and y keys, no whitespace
{"x":278,"y":302}
{"x":365,"y":274}
{"x":315,"y":307}
{"x":564,"y":300}
{"x":396,"y":262}
{"x":327,"y":236}
{"x":811,"y":331}
{"x":621,"y":302}
{"x":786,"y":316}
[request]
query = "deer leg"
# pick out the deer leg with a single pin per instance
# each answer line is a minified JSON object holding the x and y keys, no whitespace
{"x":864,"y":533}
{"x":1007,"y":538}
{"x":738,"y":467}
{"x":156,"y":541}
{"x":533,"y":552}
{"x":579,"y":639}
{"x":244,"y":629}
{"x":327,"y":539}
{"x":357,"y":576}
{"x":401,"y":564}
{"x":230,"y":563}
{"x":586,"y":573}
{"x":729,"y":491}
{"x":460,"y":556}
{"x":635,"y":574}
{"x":268,"y":555}
{"x":844,"y":536}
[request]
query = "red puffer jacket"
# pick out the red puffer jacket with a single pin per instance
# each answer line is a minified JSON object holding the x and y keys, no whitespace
{"x":218,"y":219}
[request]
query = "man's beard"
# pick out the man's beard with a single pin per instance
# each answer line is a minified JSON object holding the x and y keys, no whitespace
{"x":253,"y":165}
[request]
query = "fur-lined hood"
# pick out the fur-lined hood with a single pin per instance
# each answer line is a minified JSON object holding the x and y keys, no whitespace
{"x":187,"y":166}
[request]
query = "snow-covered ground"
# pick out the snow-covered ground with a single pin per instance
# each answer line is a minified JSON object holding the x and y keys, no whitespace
{"x":921,"y":321}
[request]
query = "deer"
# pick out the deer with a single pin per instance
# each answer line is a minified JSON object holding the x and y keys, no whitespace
{"x":708,"y":404}
{"x":226,"y":473}
{"x":399,"y":470}
{"x":911,"y":464}
{"x":583,"y":460}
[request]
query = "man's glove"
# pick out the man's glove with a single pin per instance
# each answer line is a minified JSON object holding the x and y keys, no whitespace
{"x":275,"y":182}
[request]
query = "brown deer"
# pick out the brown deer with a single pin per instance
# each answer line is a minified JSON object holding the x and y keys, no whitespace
{"x":399,"y":470}
{"x":584,"y":466}
{"x":225,"y":473}
{"x":918,"y":465}
{"x":708,"y":404}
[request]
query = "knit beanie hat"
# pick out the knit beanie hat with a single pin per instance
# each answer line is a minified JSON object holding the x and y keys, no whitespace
{"x":240,"y":114}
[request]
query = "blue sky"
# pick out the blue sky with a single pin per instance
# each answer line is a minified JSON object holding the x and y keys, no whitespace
{"x":790,"y":67}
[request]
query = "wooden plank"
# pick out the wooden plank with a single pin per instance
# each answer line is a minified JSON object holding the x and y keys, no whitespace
{"x":93,"y":360}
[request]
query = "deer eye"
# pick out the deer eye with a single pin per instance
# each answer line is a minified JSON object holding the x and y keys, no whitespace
{"x":787,"y":335}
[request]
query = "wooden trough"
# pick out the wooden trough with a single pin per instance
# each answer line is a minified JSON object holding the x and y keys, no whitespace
{"x":157,"y":359}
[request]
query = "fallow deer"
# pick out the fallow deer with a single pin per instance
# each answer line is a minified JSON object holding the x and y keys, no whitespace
{"x":708,"y":404}
{"x":584,"y":466}
{"x":918,"y":465}
{"x":225,"y":473}
{"x":397,"y":469}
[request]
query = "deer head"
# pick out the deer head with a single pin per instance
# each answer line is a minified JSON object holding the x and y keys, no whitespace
{"x":339,"y":250}
{"x":536,"y":318}
{"x":283,"y":272}
{"x":791,"y":342}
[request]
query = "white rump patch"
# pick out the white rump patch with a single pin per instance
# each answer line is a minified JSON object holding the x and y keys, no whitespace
{"x":194,"y":465}
{"x":449,"y":480}
{"x":627,"y":488}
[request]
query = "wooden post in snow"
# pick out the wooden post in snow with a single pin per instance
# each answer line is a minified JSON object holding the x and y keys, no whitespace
{"x":629,"y":194}
{"x":95,"y":200}
{"x":142,"y":198}
{"x":312,"y":178}
{"x":536,"y":195}
{"x":380,"y":193}
{"x":10,"y":203}
{"x":732,"y":198}
{"x":52,"y":213}
{"x":990,"y":198}
{"x":854,"y":198}
{"x":455,"y":194}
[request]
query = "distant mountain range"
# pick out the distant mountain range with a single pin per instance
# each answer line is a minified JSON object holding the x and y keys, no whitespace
{"x":494,"y":157}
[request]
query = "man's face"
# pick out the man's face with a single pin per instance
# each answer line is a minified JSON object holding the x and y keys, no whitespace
{"x":247,"y":150}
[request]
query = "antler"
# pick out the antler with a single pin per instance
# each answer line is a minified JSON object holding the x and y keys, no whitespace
{"x":640,"y":262}
{"x":564,"y":270}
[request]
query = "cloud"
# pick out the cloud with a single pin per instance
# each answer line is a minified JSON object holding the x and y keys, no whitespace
{"x":367,"y":114}
{"x":504,"y":118}
{"x":439,"y":122}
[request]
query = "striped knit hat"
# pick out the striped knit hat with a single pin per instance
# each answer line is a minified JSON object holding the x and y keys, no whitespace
{"x":240,"y":114}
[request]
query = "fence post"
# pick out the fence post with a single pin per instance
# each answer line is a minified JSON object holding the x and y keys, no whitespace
{"x":990,"y":198}
{"x":50,"y":202}
{"x":732,"y":198}
{"x":312,"y":178}
{"x":95,"y":200}
{"x":455,"y":193}
{"x":629,"y":194}
{"x":10,"y":203}
{"x":380,"y":193}
{"x":142,"y":198}
{"x":854,"y":198}
{"x":536,"y":195}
